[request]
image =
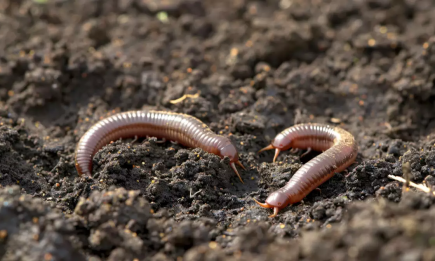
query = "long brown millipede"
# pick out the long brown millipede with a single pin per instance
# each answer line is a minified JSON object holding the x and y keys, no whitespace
{"x":182,"y":128}
{"x":339,"y":151}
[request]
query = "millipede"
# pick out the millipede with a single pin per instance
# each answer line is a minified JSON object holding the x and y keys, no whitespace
{"x":182,"y":128}
{"x":339,"y":151}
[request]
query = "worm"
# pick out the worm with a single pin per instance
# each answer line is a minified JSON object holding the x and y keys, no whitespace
{"x":339,"y":151}
{"x":181,"y":128}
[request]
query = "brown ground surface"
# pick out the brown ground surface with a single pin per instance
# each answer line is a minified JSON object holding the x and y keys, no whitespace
{"x":259,"y":67}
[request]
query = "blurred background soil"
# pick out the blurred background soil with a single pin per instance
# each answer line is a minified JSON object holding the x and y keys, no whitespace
{"x":252,"y":69}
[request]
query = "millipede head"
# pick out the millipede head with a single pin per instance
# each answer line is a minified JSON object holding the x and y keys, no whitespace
{"x":266,"y":205}
{"x":230,"y":151}
{"x":277,"y":200}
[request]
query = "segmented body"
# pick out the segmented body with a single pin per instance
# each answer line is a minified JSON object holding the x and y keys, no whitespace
{"x":182,"y":128}
{"x":339,"y":151}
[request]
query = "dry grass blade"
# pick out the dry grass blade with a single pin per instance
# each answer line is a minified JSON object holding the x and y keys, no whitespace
{"x":412,"y":184}
{"x":182,"y":98}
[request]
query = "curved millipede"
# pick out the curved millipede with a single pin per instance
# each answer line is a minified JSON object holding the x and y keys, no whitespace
{"x":182,"y":128}
{"x":339,"y":151}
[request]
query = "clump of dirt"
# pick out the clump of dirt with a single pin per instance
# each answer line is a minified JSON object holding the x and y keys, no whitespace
{"x":31,"y":230}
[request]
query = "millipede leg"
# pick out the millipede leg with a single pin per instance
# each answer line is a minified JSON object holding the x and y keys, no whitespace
{"x":161,"y":141}
{"x":157,"y":141}
{"x":294,"y":150}
{"x":305,"y":153}
{"x":134,"y":140}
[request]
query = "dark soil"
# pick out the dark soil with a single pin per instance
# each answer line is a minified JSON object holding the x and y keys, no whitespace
{"x":257,"y":67}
